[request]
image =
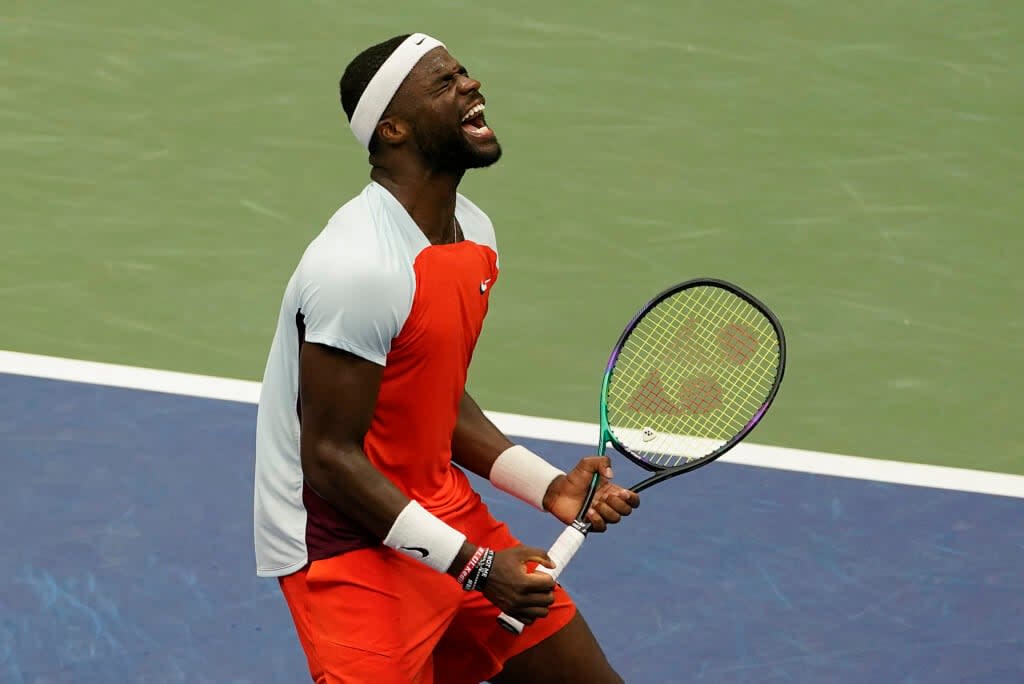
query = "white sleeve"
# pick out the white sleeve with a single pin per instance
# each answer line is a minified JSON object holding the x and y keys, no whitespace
{"x":357,"y":305}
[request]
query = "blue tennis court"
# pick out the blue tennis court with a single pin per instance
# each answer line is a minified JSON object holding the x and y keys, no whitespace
{"x":127,"y":556}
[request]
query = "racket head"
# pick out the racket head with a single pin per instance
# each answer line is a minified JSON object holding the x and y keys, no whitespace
{"x":691,"y":375}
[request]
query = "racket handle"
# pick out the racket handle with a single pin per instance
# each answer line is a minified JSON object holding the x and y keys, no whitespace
{"x":561,"y":552}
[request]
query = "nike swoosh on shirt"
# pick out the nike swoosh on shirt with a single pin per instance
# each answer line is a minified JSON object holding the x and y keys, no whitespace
{"x":483,"y":285}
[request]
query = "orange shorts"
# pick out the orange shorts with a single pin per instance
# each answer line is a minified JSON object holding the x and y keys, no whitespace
{"x":375,"y":616}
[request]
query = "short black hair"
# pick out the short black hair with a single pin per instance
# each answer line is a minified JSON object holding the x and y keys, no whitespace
{"x":361,"y":69}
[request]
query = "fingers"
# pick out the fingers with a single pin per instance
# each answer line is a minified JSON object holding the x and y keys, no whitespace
{"x":621,"y":503}
{"x":528,"y":615}
{"x":531,"y":606}
{"x":611,"y":505}
{"x":523,"y":595}
{"x":536,"y":597}
{"x":537,"y":600}
{"x":532,"y":582}
{"x":632,"y":499}
{"x":596,"y":518}
{"x":618,"y":497}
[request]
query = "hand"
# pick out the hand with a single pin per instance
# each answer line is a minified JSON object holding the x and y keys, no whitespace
{"x":566,"y":493}
{"x":521,"y":594}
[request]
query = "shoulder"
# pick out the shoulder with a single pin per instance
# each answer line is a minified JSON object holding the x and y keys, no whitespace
{"x":359,"y":254}
{"x":363,"y":237}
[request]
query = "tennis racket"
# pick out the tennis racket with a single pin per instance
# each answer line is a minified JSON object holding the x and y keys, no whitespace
{"x":691,"y":375}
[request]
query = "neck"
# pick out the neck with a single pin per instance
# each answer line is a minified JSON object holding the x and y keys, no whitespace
{"x":428,"y":196}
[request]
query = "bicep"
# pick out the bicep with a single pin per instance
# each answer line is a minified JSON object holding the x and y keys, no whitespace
{"x":337,"y":396}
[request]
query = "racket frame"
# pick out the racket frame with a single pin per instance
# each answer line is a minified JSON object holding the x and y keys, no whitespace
{"x":661,"y":473}
{"x":572,"y":537}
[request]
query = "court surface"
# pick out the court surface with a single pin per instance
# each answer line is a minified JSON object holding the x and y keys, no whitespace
{"x":163,"y":165}
{"x":127,"y":551}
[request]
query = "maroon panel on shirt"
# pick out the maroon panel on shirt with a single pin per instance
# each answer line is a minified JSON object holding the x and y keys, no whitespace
{"x":327,"y":533}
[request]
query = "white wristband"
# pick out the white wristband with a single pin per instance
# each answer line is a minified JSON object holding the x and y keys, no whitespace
{"x":523,"y":474}
{"x":418,"y":533}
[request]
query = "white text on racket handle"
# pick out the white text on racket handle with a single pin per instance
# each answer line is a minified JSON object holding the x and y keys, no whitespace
{"x":561,"y":552}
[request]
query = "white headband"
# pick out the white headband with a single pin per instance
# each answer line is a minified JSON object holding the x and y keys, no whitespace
{"x":385,"y":82}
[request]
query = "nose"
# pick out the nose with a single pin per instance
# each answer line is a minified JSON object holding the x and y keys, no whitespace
{"x":468,"y":85}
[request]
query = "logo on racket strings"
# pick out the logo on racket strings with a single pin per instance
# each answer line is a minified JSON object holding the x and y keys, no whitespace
{"x":700,"y":391}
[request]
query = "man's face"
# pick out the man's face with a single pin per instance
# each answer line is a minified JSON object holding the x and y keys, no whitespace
{"x":445,"y":109}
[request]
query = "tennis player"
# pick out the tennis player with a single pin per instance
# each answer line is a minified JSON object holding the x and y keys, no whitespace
{"x":393,"y":568}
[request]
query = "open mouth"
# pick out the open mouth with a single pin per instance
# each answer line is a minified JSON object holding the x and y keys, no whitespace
{"x":474,"y":125}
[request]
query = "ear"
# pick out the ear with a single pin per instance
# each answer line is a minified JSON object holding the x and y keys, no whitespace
{"x":393,"y":131}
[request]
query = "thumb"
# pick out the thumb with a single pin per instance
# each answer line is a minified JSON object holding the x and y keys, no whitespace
{"x":531,"y":554}
{"x":598,"y":464}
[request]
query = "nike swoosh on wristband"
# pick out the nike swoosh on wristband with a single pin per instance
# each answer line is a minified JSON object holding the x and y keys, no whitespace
{"x":418,"y":549}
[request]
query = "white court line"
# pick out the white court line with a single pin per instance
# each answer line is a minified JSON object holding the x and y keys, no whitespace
{"x":573,"y":432}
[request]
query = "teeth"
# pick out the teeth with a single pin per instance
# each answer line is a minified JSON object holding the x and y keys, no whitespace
{"x":475,"y":111}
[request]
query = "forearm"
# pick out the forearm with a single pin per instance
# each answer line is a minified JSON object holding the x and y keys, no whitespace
{"x":476,"y":441}
{"x":347,"y":480}
{"x":353,"y":486}
{"x":479,"y":446}
{"x":338,"y":392}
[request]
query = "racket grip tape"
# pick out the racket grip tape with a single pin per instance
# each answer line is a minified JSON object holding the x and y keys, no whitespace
{"x":561,"y":552}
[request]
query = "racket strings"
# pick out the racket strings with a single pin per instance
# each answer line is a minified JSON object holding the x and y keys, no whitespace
{"x":693,"y":373}
{"x":765,"y":362}
{"x":722,"y":374}
{"x":743,"y":378}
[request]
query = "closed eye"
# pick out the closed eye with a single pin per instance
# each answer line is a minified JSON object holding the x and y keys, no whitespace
{"x":445,"y":82}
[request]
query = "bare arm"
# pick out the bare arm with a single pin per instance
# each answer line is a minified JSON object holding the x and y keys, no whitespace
{"x":338,"y":393}
{"x":476,"y":442}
